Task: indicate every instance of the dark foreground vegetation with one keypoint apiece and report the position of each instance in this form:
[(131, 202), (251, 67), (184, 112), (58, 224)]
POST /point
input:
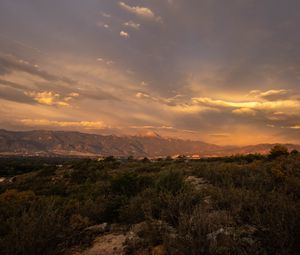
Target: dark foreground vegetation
[(233, 205)]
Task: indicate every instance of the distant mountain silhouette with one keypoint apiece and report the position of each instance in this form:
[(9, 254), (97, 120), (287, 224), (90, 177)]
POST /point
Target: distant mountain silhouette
[(64, 143)]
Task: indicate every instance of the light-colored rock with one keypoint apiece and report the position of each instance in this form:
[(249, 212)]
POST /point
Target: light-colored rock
[(101, 228), (116, 240), (225, 236), (220, 232), (198, 182)]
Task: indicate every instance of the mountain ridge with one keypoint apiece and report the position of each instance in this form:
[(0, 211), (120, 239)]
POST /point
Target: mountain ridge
[(74, 143)]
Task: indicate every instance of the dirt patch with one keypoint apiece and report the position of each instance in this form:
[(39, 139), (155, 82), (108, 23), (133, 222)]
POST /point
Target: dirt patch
[(108, 244)]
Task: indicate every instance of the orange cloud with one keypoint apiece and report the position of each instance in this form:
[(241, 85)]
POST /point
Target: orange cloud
[(51, 98), (124, 34), (259, 105), (272, 94), (132, 25), (76, 124), (245, 111), (140, 11)]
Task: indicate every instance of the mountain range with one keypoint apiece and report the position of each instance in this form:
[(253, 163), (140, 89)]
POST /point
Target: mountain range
[(68, 143)]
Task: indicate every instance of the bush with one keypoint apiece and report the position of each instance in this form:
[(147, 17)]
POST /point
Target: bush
[(295, 152), (129, 184), (242, 205), (39, 229), (170, 181), (193, 231)]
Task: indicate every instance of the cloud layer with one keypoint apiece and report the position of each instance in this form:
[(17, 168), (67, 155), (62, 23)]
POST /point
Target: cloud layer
[(224, 72)]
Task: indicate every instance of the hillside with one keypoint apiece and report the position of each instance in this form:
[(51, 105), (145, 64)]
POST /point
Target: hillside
[(166, 207)]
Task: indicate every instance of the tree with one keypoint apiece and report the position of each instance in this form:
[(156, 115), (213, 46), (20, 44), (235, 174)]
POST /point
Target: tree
[(295, 152), (130, 158), (278, 151), (168, 158), (146, 160), (110, 159)]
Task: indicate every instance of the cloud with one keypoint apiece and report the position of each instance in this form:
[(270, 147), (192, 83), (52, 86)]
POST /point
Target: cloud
[(132, 25), (152, 127), (102, 24), (106, 61), (171, 101), (219, 103), (51, 98), (30, 80), (14, 95), (47, 98), (124, 34), (142, 95), (221, 58), (74, 94), (140, 11), (270, 94), (220, 135), (258, 105), (105, 15), (9, 64), (72, 124), (11, 84), (244, 111)]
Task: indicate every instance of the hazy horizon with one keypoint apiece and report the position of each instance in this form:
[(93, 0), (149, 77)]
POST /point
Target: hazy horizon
[(206, 70), (148, 133)]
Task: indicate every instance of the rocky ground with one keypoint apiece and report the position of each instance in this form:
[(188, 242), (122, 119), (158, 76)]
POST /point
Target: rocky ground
[(123, 240)]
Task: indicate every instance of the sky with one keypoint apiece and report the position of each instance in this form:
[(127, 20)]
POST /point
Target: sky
[(224, 72)]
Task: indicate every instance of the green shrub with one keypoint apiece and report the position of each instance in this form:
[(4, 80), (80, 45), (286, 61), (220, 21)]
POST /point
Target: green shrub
[(170, 181), (40, 229)]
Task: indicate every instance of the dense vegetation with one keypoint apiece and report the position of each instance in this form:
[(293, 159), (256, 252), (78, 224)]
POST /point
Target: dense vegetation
[(234, 205), (11, 166)]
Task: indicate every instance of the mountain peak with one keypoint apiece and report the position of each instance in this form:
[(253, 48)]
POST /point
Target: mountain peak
[(149, 133)]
